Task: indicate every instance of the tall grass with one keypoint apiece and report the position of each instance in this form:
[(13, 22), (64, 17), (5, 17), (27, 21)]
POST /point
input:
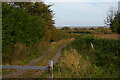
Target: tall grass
[(22, 54), (80, 60)]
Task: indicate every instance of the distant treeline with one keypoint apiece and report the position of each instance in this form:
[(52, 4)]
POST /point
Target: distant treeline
[(79, 32)]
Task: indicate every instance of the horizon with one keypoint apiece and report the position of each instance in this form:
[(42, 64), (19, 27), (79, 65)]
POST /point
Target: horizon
[(81, 13), (81, 26)]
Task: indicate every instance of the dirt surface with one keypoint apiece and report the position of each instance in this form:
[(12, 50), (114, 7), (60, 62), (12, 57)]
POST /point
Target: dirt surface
[(31, 63), (55, 60), (20, 73)]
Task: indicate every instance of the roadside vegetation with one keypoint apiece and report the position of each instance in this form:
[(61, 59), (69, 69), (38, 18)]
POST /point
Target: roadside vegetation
[(27, 29), (28, 32), (80, 60), (54, 50)]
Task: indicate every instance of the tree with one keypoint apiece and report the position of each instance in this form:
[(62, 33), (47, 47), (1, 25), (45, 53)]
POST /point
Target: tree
[(25, 23), (20, 27), (115, 24), (110, 15), (113, 19)]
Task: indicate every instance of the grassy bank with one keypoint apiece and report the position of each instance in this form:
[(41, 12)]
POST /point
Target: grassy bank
[(26, 54), (22, 54), (80, 60), (49, 56)]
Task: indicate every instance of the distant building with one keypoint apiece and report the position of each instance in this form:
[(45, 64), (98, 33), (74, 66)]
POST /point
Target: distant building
[(119, 7)]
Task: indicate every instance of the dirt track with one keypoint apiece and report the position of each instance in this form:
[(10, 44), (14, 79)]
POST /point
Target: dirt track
[(19, 73)]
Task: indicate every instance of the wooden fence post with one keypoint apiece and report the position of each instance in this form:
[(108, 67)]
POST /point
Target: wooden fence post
[(50, 69)]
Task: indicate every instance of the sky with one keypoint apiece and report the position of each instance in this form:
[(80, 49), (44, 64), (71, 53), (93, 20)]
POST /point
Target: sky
[(81, 13)]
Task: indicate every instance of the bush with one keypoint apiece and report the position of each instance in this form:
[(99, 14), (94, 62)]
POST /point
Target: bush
[(104, 55), (22, 24)]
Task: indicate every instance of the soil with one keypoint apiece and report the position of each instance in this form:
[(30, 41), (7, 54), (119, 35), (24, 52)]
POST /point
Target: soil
[(19, 73)]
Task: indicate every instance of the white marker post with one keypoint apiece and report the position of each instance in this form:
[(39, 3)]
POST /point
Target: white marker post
[(92, 46)]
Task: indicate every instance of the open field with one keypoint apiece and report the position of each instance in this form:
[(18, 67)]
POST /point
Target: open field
[(80, 60), (109, 36)]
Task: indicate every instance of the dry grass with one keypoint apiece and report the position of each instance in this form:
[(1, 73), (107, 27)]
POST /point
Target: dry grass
[(44, 62), (54, 51), (71, 60), (71, 64), (109, 36)]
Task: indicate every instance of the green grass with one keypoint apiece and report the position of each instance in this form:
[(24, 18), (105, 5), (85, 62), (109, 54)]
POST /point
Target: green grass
[(79, 60), (49, 56), (32, 52), (24, 54)]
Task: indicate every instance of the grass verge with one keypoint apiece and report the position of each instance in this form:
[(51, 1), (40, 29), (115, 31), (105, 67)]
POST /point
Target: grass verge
[(80, 60)]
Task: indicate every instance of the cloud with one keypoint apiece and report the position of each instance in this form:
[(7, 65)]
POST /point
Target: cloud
[(80, 13)]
